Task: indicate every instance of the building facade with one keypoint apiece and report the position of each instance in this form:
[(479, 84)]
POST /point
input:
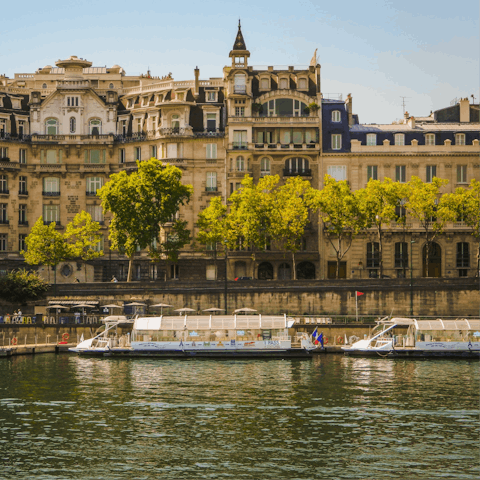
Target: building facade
[(65, 129)]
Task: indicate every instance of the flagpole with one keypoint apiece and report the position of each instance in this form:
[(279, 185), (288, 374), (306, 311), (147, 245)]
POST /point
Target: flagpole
[(356, 306)]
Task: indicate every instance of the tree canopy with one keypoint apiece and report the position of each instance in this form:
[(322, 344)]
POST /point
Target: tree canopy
[(22, 286), (144, 204)]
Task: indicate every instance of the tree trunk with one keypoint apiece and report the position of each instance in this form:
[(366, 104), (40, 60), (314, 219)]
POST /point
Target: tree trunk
[(380, 251), (130, 268), (294, 265)]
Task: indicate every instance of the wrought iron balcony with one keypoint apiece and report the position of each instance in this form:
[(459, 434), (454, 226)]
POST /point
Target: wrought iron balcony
[(23, 192), (51, 194), (293, 173), (23, 223)]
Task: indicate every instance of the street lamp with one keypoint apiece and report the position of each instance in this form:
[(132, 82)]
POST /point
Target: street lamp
[(226, 285), (411, 277)]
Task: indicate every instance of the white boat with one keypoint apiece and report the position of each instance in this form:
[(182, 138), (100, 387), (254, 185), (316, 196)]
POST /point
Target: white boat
[(201, 336), (408, 337)]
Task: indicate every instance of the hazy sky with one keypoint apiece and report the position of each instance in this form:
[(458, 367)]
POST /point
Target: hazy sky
[(379, 51)]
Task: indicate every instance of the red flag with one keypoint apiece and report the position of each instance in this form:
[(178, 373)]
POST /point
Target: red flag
[(359, 293)]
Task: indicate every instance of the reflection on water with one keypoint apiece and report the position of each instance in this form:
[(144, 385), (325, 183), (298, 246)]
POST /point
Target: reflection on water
[(331, 417)]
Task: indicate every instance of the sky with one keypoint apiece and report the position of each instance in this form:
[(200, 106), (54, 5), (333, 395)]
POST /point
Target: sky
[(379, 51)]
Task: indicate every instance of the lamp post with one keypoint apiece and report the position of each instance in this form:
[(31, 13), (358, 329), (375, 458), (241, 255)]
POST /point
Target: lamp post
[(226, 284), (411, 277)]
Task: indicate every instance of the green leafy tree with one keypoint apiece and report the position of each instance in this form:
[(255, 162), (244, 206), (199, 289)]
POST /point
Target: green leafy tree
[(83, 236), (422, 204), (22, 286), (251, 214), (46, 246), (341, 215), (291, 215), (464, 206), (377, 203), (144, 204)]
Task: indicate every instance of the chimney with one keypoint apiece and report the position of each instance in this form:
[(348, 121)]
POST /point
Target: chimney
[(411, 122), (196, 92), (464, 110), (348, 104)]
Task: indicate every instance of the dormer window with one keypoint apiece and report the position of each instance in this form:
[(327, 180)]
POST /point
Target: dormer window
[(265, 84), (460, 139), (336, 116), (283, 83), (130, 103), (302, 84), (399, 139), (16, 103), (51, 126), (211, 96), (430, 139)]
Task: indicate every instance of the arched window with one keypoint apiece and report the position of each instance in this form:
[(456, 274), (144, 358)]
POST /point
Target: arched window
[(111, 86), (240, 164), (73, 124), (44, 86), (176, 122), (95, 127), (297, 166), (51, 126), (264, 166), (306, 271), (265, 271)]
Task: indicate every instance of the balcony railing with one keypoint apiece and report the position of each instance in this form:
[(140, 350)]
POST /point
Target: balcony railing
[(4, 191), (286, 146), (240, 89), (91, 193), (4, 221), (293, 173), (56, 222), (23, 223), (211, 189), (209, 133), (240, 146), (23, 192), (14, 138), (51, 194)]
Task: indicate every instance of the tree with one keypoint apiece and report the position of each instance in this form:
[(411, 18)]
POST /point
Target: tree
[(377, 203), (252, 213), (422, 204), (22, 286), (46, 246), (291, 215), (340, 212), (464, 206), (143, 204), (82, 233), (213, 226)]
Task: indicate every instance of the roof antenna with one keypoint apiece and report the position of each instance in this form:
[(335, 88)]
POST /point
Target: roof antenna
[(404, 104)]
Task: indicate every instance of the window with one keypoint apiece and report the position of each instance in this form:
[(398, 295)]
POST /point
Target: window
[(22, 243), (22, 214), (21, 127), (51, 126), (176, 123), (98, 247), (3, 213), (264, 83), (211, 122), (121, 155), (73, 124), (240, 164), (52, 156), (338, 172), (22, 185), (94, 184), (44, 86), (211, 150), (264, 166), (211, 182), (153, 151), (372, 172), (137, 153), (430, 173), (297, 166), (3, 152), (371, 139), (51, 186), (154, 123), (302, 83), (239, 83), (336, 141), (174, 272), (373, 255), (3, 242), (430, 139), (336, 116), (462, 174), (96, 212), (239, 139), (463, 255), (22, 155), (95, 156), (72, 101), (211, 96), (110, 86), (95, 127), (401, 173), (399, 139), (174, 150), (283, 107), (400, 210), (51, 213), (211, 272), (239, 111), (3, 184), (123, 127), (401, 255), (460, 139), (283, 83)]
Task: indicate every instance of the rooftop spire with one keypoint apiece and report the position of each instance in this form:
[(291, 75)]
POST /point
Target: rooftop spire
[(239, 41)]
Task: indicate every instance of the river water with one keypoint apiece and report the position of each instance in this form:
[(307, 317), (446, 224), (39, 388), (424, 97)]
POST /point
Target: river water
[(332, 417)]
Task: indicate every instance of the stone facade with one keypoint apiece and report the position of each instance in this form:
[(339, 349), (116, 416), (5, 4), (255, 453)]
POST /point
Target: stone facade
[(65, 129)]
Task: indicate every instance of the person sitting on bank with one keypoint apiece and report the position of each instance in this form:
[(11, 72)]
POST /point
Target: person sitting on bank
[(76, 280), (114, 279)]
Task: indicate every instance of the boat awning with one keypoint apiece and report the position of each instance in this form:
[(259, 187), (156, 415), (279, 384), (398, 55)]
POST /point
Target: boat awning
[(439, 324), (67, 303)]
